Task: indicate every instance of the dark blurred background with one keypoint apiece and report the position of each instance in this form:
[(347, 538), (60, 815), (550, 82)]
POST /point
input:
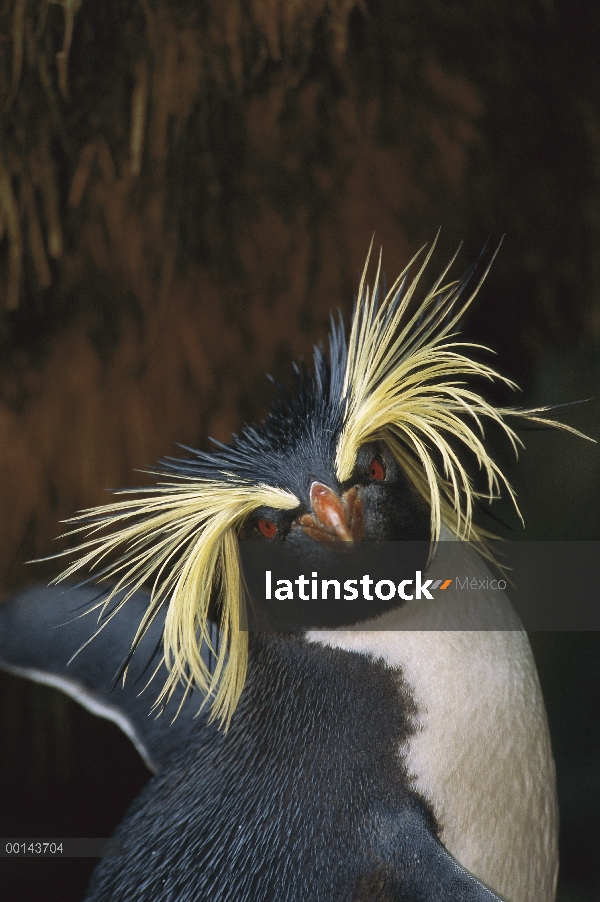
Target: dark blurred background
[(186, 190)]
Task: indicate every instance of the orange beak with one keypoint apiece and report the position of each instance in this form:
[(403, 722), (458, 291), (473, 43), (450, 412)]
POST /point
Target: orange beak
[(334, 519)]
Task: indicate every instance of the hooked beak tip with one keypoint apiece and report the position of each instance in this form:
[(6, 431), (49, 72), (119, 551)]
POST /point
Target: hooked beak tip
[(333, 519)]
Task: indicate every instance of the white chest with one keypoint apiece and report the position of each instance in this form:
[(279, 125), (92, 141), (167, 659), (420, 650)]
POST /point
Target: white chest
[(481, 754)]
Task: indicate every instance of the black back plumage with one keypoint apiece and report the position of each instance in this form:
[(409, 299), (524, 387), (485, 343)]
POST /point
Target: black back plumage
[(304, 798)]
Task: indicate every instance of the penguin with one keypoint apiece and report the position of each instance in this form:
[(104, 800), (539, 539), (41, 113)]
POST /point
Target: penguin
[(374, 748)]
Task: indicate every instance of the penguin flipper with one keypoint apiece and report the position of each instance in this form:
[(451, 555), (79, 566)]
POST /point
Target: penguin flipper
[(43, 636), (417, 868)]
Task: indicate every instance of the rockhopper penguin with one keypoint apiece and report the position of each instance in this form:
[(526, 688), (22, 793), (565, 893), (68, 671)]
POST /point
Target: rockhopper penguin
[(381, 751)]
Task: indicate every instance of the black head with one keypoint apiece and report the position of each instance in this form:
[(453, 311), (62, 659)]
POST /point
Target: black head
[(295, 450)]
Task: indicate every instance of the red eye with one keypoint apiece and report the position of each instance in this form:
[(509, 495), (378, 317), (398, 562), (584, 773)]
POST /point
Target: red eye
[(377, 469), (267, 528)]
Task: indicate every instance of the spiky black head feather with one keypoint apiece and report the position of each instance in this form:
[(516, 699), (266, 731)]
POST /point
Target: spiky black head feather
[(297, 442)]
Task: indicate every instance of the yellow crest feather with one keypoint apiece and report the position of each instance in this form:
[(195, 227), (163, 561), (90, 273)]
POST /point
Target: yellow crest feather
[(402, 384), (183, 536)]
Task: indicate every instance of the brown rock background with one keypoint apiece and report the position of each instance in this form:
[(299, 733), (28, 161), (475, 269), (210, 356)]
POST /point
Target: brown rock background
[(188, 188)]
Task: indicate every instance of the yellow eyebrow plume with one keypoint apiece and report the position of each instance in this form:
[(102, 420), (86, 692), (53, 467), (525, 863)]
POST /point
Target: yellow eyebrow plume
[(403, 384), (182, 537)]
